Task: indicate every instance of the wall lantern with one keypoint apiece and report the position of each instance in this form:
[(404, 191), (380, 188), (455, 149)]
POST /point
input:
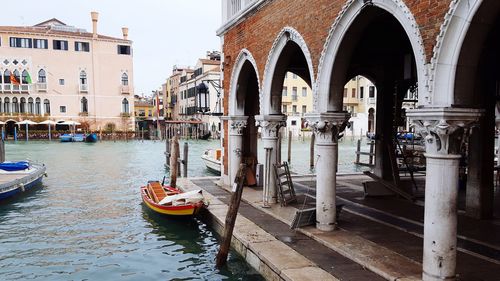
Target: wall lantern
[(203, 98)]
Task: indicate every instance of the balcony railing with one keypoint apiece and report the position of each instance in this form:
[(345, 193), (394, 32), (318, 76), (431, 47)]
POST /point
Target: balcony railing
[(83, 114), (232, 10), (25, 88), (372, 100), (7, 87), (84, 88), (41, 87), (125, 90), (15, 88)]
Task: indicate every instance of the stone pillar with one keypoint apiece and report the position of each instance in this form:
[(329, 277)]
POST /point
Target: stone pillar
[(443, 129), (235, 143), (326, 128), (270, 126)]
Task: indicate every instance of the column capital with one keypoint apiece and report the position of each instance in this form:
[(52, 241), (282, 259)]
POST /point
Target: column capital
[(327, 125), (237, 124), (443, 128), (270, 124)]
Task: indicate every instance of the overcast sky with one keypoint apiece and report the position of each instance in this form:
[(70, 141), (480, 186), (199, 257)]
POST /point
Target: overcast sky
[(164, 32)]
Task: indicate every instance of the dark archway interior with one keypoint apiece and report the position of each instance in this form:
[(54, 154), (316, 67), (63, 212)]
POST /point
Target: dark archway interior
[(477, 85), (377, 46), (247, 96), (291, 59)]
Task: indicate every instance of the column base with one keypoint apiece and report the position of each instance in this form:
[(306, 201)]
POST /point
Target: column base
[(429, 277), (326, 227)]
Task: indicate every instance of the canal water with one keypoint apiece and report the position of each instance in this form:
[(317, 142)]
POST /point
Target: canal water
[(87, 221)]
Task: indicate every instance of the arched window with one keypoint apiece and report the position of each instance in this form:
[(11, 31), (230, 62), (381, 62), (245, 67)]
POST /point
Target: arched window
[(30, 106), (1, 106), (26, 77), (6, 106), (84, 105), (42, 77), (125, 108), (46, 106), (16, 75), (38, 106), (124, 79), (6, 76), (15, 105), (83, 78), (22, 105)]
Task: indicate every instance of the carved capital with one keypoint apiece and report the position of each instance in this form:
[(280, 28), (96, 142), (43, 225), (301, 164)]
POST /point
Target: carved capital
[(327, 126), (270, 124), (236, 124), (444, 129)]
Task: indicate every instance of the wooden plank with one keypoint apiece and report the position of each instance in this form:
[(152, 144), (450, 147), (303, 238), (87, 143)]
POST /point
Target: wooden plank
[(389, 185)]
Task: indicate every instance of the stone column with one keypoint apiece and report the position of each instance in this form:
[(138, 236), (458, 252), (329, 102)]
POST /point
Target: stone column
[(443, 129), (235, 143), (270, 126), (326, 128)]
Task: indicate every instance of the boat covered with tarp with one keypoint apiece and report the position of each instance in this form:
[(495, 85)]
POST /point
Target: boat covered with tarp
[(19, 177), (14, 166)]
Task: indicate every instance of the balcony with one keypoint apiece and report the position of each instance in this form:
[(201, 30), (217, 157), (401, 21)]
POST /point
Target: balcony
[(16, 88), (84, 88), (125, 114), (7, 87), (41, 87), (83, 114), (125, 90), (372, 100), (25, 88)]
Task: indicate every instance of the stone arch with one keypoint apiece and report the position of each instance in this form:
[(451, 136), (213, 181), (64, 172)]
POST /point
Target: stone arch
[(243, 57), (448, 48), (338, 30), (286, 35)]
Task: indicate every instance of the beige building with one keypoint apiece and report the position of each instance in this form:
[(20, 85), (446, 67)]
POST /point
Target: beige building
[(296, 100), (55, 71)]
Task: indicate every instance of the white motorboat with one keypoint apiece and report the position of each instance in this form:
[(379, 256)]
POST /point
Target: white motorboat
[(212, 159)]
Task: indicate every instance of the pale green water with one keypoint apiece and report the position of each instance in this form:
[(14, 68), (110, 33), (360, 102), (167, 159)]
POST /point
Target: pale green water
[(88, 223)]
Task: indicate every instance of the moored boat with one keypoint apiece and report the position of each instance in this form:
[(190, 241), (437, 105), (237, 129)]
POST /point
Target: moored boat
[(212, 159), (92, 137), (66, 138), (171, 201), (19, 177)]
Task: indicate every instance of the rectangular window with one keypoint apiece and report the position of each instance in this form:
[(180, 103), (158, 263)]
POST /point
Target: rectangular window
[(345, 92), (61, 82), (123, 50), (371, 92), (284, 109), (294, 94), (294, 76), (82, 46), (353, 93), (21, 42), (304, 91), (294, 108), (304, 108), (361, 92), (60, 45), (40, 43), (62, 109), (284, 93)]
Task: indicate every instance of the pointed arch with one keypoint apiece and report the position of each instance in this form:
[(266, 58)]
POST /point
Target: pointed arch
[(42, 76), (286, 35), (340, 27), (243, 57), (124, 79)]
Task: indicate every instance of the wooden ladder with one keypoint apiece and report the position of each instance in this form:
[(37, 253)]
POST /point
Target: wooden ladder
[(286, 193), (156, 190)]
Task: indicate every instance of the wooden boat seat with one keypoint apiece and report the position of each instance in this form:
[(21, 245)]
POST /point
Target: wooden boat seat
[(157, 191)]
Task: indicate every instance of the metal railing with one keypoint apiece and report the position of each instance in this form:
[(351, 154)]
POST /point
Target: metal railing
[(25, 88), (41, 87), (84, 88)]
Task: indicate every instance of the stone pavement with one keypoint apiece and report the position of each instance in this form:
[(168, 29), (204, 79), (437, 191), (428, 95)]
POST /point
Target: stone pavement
[(379, 238)]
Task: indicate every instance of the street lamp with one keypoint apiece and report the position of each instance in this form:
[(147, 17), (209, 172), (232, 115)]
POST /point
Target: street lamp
[(203, 96)]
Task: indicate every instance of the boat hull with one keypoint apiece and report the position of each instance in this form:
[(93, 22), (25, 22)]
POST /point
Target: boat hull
[(25, 183), (186, 210), (91, 137), (211, 162)]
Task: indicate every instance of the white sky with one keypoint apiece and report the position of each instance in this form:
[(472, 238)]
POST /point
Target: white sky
[(164, 32)]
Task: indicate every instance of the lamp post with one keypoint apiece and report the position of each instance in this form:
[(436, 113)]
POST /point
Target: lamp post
[(203, 96)]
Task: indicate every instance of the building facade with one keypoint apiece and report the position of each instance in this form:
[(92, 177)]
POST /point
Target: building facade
[(443, 52), (55, 71)]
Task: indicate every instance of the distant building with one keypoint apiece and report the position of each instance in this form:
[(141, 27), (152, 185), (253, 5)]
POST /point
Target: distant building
[(55, 71), (296, 101)]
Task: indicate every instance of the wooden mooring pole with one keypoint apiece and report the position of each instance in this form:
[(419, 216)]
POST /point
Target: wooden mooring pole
[(311, 153), (289, 147), (2, 151), (221, 258), (185, 160), (174, 156)]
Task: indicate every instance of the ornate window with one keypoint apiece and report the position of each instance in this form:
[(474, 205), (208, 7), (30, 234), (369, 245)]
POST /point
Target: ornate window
[(22, 105), (6, 105), (6, 76), (26, 77), (38, 106), (124, 79), (46, 106), (83, 78), (125, 107), (42, 77), (1, 106), (84, 105), (15, 105), (30, 106)]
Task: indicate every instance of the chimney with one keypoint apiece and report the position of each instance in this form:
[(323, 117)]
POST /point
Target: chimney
[(95, 17), (125, 33)]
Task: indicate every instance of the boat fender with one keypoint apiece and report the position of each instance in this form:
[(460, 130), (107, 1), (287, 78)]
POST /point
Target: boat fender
[(21, 185)]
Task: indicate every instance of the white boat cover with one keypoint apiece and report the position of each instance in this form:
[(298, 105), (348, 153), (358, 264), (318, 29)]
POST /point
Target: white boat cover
[(190, 197)]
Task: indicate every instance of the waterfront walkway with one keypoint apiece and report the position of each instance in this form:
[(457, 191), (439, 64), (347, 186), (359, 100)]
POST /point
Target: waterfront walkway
[(379, 238)]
